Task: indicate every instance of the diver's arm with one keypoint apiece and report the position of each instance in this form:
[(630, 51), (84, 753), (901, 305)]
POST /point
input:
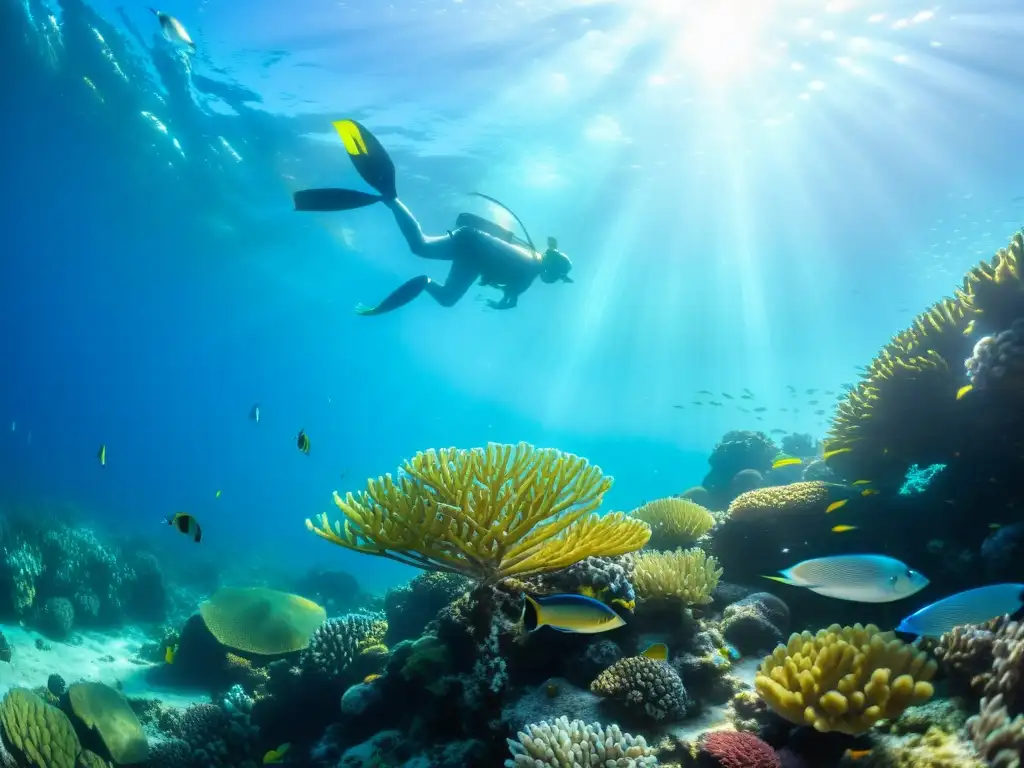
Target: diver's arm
[(508, 301), (420, 244)]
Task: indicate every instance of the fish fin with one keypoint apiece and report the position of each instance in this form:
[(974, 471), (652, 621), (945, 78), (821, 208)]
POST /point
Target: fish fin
[(531, 614), (369, 157), (658, 652), (332, 199)]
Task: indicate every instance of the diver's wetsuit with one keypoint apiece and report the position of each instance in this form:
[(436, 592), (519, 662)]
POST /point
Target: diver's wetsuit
[(474, 254)]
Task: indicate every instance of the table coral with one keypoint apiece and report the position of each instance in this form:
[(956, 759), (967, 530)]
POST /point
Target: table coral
[(844, 679)]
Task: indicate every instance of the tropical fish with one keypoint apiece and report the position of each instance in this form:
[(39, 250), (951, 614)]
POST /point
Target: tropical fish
[(173, 29), (170, 653), (101, 454), (658, 652), (786, 461), (869, 492), (843, 528), (856, 754), (186, 524), (861, 482), (964, 390), (829, 454), (276, 756), (974, 606), (217, 494), (302, 441), (569, 613), (859, 578), (254, 413)]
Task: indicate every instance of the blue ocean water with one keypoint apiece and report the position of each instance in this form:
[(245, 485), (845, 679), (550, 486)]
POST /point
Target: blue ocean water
[(752, 197)]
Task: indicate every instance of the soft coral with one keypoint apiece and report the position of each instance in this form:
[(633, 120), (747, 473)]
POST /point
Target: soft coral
[(735, 749)]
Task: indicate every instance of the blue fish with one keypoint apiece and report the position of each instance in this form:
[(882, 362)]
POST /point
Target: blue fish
[(974, 606), (859, 578)]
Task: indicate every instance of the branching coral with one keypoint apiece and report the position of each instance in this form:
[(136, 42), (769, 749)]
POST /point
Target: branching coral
[(564, 744), (645, 686), (796, 499), (488, 513), (844, 679), (998, 739), (689, 575), (674, 522)]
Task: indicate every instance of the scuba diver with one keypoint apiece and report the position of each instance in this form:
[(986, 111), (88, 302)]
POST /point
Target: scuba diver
[(477, 248)]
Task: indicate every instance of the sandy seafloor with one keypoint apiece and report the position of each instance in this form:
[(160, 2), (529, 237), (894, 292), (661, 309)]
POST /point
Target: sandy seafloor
[(110, 658)]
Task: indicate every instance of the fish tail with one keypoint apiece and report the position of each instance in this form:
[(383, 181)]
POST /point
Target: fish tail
[(783, 580), (531, 614)]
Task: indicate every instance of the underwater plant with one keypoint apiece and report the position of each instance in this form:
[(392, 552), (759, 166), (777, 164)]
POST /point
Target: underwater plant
[(487, 513)]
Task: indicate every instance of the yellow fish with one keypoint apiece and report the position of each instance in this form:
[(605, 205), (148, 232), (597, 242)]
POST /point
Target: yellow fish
[(658, 652), (829, 454), (964, 390), (861, 482), (836, 505), (788, 461), (843, 528), (276, 756), (869, 492), (170, 653), (102, 455), (569, 613)]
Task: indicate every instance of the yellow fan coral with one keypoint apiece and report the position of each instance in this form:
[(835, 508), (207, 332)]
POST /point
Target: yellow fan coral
[(844, 679), (488, 513), (674, 522), (688, 575)]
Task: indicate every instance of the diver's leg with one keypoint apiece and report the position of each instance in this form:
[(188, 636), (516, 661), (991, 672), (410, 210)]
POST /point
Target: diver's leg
[(399, 297), (422, 245), (460, 278)]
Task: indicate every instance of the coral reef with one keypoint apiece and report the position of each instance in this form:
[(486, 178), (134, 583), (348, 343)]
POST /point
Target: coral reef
[(674, 522), (844, 679), (643, 685), (756, 623), (565, 744), (338, 643), (795, 499), (411, 607), (488, 513), (609, 579), (57, 617), (986, 660), (935, 748), (997, 738), (738, 450), (735, 749), (687, 575)]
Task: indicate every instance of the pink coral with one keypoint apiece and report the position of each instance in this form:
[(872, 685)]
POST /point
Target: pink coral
[(734, 749)]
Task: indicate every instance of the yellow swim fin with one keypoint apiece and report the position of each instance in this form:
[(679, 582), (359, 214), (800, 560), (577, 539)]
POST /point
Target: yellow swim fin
[(369, 157)]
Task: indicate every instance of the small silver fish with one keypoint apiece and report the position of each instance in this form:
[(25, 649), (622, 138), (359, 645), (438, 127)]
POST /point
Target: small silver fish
[(254, 413), (173, 29)]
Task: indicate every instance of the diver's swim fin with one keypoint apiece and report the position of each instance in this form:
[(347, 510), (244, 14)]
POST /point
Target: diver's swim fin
[(368, 156), (332, 199)]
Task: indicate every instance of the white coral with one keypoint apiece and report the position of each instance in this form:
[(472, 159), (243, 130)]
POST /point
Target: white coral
[(577, 745)]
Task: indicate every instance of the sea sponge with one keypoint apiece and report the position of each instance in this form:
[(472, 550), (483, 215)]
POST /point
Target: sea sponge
[(844, 679), (735, 749), (565, 744), (674, 522), (689, 575), (488, 513), (41, 734), (261, 621), (106, 711), (645, 686), (795, 499), (997, 738)]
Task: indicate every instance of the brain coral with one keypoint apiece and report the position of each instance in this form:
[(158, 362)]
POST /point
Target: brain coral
[(734, 749), (644, 685), (565, 744), (261, 621), (844, 679)]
